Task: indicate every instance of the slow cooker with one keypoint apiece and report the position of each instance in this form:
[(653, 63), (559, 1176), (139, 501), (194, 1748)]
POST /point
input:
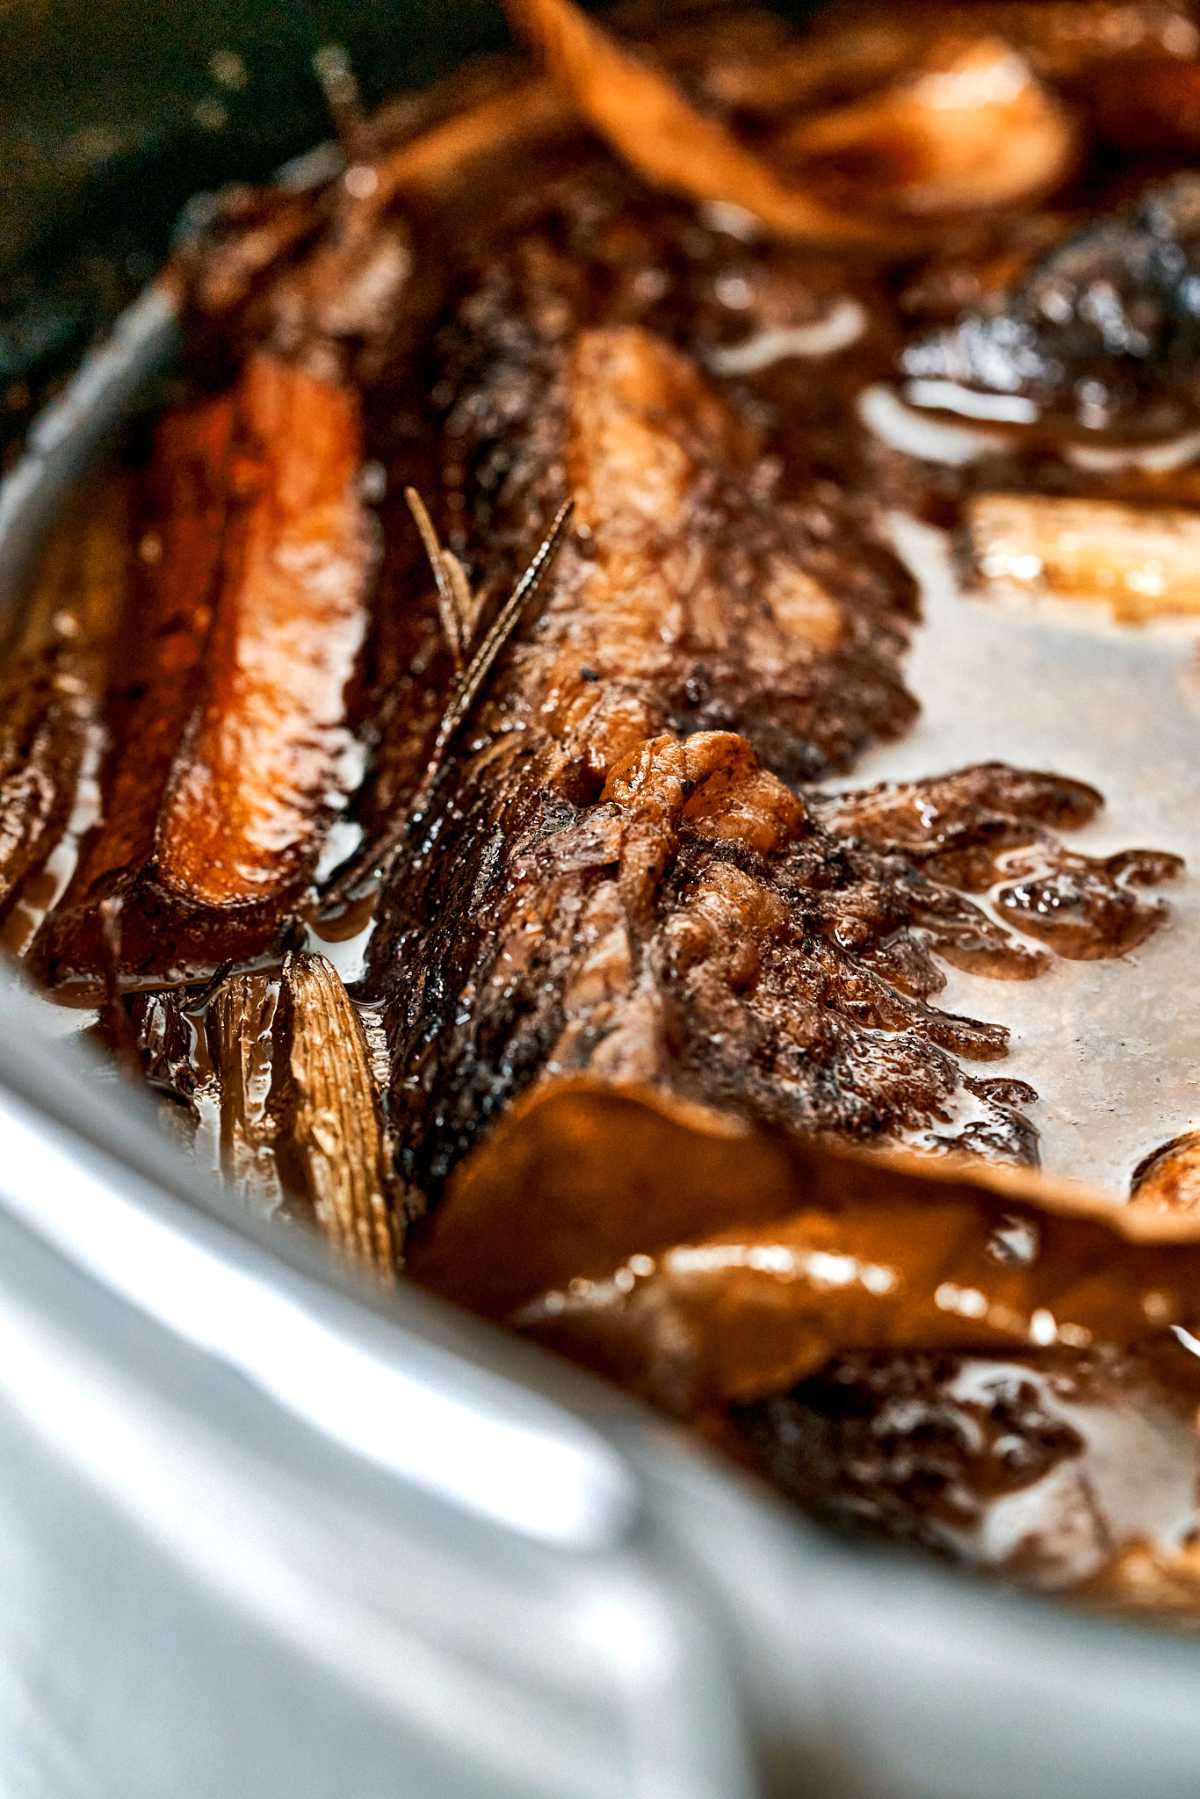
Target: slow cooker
[(266, 1533)]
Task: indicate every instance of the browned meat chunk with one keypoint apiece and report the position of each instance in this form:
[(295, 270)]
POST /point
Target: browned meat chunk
[(1102, 333)]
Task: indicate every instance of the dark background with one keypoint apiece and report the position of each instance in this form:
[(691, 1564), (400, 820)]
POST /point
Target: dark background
[(113, 113)]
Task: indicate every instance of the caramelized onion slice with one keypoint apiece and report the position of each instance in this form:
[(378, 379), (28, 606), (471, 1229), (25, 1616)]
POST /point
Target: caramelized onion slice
[(971, 129), (241, 1041), (329, 1142), (1142, 562), (52, 691), (1063, 41), (448, 152), (538, 1208), (819, 1251), (542, 1200), (888, 1263), (650, 123)]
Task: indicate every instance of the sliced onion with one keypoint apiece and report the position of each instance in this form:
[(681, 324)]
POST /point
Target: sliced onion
[(658, 132), (970, 130), (1143, 562)]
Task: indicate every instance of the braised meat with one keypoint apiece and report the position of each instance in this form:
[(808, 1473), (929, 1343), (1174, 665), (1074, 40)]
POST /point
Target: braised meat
[(1101, 333)]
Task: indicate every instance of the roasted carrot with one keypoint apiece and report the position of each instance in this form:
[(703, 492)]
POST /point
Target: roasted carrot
[(236, 756)]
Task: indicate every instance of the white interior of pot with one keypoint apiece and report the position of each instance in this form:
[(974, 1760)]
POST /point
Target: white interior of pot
[(1113, 1047)]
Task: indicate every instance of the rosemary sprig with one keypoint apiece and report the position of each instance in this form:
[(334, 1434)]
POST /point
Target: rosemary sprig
[(449, 595), (483, 657), (469, 680)]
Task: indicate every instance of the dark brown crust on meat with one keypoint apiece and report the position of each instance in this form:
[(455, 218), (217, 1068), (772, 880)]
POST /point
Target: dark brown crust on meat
[(545, 926)]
